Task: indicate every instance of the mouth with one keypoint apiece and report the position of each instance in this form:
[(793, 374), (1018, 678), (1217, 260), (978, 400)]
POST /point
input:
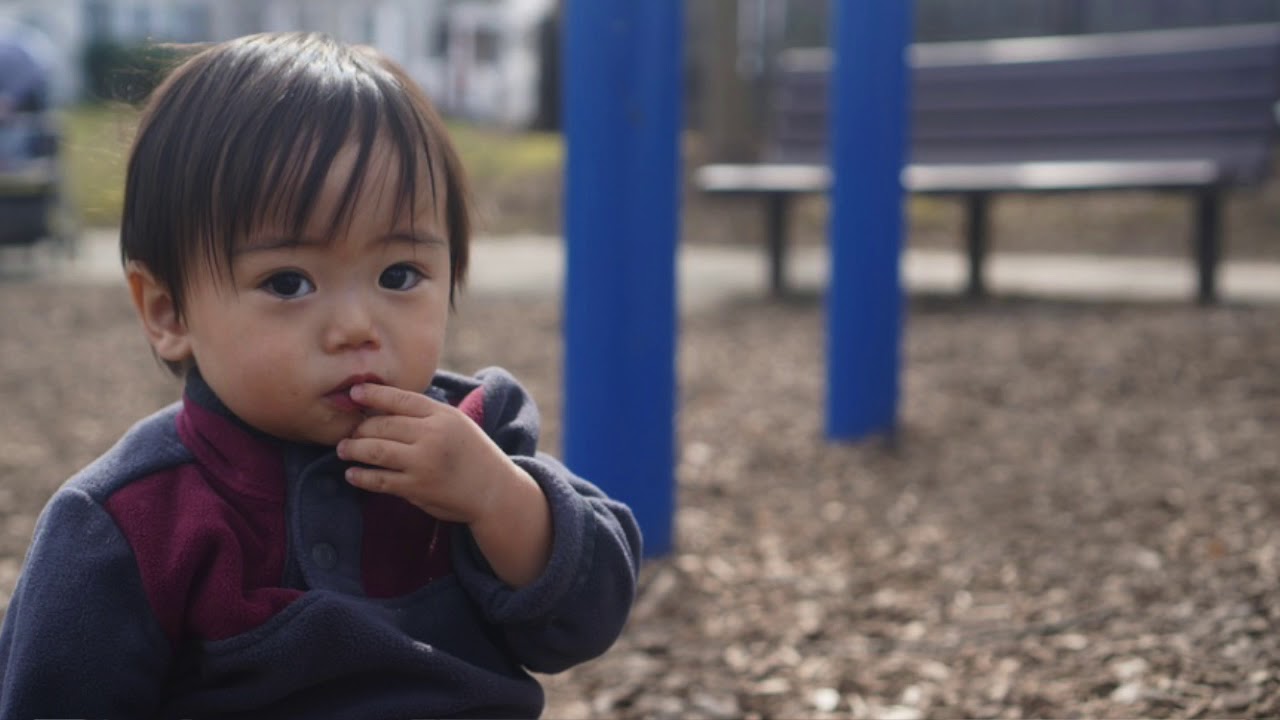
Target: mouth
[(340, 395)]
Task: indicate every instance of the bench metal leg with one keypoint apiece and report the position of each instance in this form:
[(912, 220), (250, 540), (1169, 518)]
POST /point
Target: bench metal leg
[(1207, 252), (976, 231), (777, 207)]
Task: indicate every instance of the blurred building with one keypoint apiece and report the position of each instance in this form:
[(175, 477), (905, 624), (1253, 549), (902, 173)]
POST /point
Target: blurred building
[(486, 60)]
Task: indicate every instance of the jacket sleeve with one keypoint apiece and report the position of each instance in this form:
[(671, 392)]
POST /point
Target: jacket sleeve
[(577, 608), (79, 638)]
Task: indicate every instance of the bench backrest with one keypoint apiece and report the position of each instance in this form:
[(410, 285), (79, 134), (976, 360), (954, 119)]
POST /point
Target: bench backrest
[(1205, 93)]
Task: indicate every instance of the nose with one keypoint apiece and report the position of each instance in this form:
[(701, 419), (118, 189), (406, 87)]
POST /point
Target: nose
[(351, 326)]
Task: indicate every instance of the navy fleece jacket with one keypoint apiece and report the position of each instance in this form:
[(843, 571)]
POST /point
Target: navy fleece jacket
[(203, 569)]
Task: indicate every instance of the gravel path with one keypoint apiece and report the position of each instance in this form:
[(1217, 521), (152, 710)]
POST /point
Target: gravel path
[(1077, 517)]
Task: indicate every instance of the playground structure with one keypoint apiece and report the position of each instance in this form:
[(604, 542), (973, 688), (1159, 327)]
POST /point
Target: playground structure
[(622, 119)]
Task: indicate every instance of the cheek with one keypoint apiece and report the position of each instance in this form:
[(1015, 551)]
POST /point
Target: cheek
[(424, 344), (264, 386), (440, 327), (428, 321), (260, 362), (427, 344), (437, 332), (274, 362)]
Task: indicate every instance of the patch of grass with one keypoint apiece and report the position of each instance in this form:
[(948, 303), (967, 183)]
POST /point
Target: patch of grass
[(95, 149), (97, 139), (493, 157)]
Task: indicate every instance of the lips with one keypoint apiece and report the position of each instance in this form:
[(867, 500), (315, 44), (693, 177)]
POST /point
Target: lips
[(340, 395)]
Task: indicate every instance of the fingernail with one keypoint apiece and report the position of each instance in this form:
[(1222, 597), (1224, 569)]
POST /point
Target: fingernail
[(342, 449)]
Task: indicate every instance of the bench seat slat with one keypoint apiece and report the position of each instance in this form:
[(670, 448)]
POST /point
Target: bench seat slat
[(976, 177), (1049, 176)]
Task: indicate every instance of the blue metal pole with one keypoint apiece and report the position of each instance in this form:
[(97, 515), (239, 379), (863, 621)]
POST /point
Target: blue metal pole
[(868, 101), (622, 61)]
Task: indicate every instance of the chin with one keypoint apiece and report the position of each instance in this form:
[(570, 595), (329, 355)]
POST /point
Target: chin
[(325, 433), (331, 437)]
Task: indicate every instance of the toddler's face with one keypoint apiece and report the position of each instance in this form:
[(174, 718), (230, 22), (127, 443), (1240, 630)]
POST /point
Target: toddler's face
[(301, 319)]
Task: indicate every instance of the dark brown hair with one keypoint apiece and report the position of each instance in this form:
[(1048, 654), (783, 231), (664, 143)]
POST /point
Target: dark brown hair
[(245, 132)]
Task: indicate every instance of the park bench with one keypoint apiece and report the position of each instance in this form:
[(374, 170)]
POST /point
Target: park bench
[(1191, 110)]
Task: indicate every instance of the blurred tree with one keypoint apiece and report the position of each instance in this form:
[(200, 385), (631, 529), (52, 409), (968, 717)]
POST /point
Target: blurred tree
[(729, 127), (128, 73), (805, 23), (548, 117)]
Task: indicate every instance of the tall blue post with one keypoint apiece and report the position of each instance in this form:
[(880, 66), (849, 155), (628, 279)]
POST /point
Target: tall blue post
[(868, 130), (621, 71)]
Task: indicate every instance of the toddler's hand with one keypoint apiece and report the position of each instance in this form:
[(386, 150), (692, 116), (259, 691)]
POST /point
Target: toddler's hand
[(428, 453), (437, 458)]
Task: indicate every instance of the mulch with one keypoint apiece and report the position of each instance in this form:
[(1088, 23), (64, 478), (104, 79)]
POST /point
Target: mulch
[(1077, 516)]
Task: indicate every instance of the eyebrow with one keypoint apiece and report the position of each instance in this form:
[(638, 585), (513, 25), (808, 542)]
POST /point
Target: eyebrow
[(265, 243)]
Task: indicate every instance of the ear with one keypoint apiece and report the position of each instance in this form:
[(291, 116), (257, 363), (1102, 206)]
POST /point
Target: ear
[(154, 303)]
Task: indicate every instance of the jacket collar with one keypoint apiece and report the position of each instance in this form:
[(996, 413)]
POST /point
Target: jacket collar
[(237, 456)]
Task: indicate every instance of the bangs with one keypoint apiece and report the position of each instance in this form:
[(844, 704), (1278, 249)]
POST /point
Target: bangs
[(245, 134), (274, 173)]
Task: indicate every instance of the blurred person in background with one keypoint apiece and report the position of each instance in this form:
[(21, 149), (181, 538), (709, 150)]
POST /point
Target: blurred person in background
[(24, 90)]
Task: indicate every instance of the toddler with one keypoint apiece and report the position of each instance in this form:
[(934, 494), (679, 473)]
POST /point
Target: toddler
[(326, 525)]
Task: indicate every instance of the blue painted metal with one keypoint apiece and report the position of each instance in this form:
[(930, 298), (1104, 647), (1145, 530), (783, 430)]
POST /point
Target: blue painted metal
[(621, 71), (869, 98)]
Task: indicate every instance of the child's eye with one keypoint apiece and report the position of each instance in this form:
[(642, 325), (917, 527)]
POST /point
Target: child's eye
[(400, 277), (288, 285)]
